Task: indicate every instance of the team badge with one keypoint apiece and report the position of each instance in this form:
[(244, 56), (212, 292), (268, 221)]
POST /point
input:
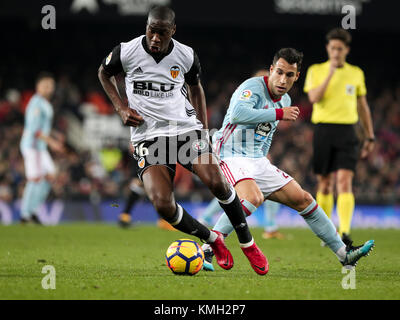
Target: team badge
[(245, 95), (199, 145), (174, 71), (141, 162), (350, 89), (108, 59)]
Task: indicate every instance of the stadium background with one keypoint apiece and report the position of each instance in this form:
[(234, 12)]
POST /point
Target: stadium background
[(233, 40)]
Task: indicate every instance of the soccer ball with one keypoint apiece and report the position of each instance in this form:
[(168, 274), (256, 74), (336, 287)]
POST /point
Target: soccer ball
[(184, 256)]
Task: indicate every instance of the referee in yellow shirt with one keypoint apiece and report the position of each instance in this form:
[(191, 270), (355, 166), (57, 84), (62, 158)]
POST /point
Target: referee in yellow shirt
[(338, 93)]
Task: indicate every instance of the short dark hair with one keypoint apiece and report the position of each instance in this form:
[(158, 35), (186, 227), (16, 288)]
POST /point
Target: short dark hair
[(44, 74), (339, 34), (291, 55), (163, 13)]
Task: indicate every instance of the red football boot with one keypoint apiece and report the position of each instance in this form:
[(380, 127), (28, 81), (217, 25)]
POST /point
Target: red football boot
[(257, 259), (221, 252)]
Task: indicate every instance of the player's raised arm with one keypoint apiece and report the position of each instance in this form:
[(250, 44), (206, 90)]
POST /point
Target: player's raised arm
[(243, 111), (249, 107), (196, 93), (316, 94), (111, 66)]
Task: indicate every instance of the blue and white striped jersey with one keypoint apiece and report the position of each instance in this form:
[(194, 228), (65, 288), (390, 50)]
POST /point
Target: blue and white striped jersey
[(250, 121)]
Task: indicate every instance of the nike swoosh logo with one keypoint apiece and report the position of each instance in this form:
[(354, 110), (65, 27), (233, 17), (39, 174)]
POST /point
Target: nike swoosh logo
[(259, 268), (227, 261)]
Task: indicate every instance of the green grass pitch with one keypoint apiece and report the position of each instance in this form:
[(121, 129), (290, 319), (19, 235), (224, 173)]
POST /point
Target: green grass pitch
[(98, 261)]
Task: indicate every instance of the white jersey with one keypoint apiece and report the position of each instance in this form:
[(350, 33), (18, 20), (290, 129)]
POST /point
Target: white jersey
[(155, 87)]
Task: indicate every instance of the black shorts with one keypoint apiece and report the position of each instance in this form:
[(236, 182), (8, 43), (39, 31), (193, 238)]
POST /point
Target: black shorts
[(336, 146), (183, 149)]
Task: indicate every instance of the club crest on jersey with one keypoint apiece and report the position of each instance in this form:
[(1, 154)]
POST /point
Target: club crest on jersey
[(245, 95), (174, 71), (141, 162), (108, 59), (199, 145)]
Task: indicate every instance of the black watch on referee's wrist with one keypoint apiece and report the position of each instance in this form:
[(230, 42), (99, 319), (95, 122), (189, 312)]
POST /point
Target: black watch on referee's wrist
[(371, 139)]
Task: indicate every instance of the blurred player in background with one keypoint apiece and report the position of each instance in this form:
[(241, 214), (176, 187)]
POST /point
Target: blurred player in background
[(39, 166), (270, 210), (166, 111), (243, 142), (338, 93)]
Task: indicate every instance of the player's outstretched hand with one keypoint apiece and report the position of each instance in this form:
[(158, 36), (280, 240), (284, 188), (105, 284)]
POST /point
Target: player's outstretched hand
[(290, 113), (130, 117)]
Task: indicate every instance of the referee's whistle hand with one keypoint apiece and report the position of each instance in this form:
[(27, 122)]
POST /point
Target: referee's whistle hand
[(130, 117), (290, 113)]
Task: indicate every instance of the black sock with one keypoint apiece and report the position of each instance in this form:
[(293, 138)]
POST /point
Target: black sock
[(133, 197), (184, 222), (237, 217)]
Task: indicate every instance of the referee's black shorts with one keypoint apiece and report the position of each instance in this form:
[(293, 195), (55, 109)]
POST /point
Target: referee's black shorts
[(336, 146)]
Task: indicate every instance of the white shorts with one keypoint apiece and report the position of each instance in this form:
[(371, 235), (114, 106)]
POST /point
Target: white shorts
[(38, 163), (268, 177)]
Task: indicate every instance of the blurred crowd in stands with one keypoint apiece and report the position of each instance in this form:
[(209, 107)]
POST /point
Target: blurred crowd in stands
[(106, 173)]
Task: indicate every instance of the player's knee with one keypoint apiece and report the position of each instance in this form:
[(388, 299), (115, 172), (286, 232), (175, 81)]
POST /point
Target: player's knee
[(255, 198), (302, 200), (165, 206), (344, 184), (325, 184)]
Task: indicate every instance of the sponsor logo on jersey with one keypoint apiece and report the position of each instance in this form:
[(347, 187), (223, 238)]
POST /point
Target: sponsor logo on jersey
[(199, 145), (150, 89), (174, 71), (141, 162), (263, 129), (245, 95), (108, 59)]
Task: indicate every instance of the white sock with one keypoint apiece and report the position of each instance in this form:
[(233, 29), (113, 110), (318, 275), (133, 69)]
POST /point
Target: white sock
[(213, 236), (341, 253), (248, 244), (205, 246)]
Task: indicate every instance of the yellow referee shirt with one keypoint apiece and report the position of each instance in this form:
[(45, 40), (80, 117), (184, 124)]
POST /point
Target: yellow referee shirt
[(339, 103)]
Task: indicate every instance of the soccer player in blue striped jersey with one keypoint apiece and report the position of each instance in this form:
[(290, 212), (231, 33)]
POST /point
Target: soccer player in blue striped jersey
[(39, 166), (243, 142)]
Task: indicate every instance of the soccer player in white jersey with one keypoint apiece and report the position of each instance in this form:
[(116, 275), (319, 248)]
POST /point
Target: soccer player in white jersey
[(39, 166), (167, 114), (255, 109)]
